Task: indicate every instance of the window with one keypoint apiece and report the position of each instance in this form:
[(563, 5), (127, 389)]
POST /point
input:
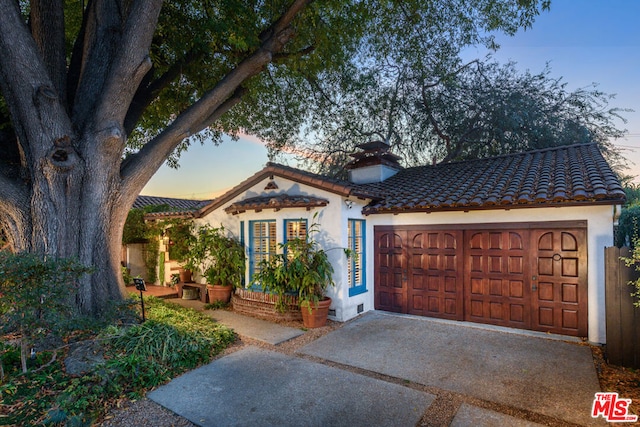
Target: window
[(262, 241), (356, 263), (295, 229)]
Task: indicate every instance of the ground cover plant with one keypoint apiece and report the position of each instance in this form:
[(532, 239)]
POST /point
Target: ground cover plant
[(137, 357)]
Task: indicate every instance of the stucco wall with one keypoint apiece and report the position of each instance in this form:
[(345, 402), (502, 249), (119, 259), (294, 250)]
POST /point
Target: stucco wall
[(334, 217)]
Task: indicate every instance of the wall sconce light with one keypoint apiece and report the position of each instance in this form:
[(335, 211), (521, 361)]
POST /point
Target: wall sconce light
[(348, 203)]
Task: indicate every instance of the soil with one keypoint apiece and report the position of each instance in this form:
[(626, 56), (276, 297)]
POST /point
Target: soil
[(624, 381)]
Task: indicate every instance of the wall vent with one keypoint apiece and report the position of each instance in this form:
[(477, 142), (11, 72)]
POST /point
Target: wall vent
[(360, 308), (332, 312)]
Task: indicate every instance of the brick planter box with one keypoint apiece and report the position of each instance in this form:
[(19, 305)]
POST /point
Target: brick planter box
[(262, 305)]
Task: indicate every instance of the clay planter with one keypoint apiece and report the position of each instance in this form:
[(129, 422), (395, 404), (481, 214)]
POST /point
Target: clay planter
[(185, 275), (219, 293), (318, 315)]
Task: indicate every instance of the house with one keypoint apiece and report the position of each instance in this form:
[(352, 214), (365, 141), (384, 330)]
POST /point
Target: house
[(516, 240)]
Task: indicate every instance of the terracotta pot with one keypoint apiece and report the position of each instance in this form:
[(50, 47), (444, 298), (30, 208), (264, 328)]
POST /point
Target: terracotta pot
[(185, 275), (317, 317), (219, 293)]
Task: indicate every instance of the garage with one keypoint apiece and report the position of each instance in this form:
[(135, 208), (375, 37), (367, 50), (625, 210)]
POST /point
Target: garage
[(520, 275)]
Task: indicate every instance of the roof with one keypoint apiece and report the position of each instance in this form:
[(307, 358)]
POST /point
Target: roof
[(560, 176), (336, 186), (179, 204), (277, 202), (178, 208)]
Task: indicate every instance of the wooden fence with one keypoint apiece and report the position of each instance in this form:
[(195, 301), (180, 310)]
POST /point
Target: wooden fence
[(623, 318)]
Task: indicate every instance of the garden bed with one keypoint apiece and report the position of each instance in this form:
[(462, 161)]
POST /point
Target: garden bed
[(262, 305)]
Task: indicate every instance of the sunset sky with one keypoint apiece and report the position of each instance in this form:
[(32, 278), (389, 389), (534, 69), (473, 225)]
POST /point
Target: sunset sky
[(584, 42)]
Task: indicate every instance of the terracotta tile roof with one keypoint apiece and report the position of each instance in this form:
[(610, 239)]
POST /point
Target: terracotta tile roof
[(561, 176), (176, 204), (278, 202), (343, 188), (178, 208)]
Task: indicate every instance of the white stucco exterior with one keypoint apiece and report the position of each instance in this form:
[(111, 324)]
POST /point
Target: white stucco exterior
[(333, 222)]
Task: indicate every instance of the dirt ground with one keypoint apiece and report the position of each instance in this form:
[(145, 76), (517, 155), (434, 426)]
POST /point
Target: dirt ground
[(624, 381)]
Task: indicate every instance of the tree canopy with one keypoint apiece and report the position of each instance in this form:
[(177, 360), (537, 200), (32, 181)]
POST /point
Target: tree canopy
[(470, 110), (98, 94)]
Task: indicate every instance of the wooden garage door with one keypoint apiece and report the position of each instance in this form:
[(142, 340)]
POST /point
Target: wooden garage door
[(527, 277)]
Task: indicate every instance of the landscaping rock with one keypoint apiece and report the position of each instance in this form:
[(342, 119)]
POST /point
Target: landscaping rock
[(83, 357)]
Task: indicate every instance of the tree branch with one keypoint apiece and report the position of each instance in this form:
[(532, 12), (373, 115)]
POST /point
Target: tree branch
[(47, 28), (77, 53), (131, 63), (34, 104), (147, 93), (141, 166)]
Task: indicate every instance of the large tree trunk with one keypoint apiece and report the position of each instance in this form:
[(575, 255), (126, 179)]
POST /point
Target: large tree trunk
[(73, 191), (77, 211)]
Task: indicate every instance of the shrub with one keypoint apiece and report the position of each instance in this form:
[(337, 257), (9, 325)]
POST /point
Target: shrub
[(35, 296), (138, 357), (628, 226)]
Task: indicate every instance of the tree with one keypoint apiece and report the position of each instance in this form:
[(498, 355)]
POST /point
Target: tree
[(465, 111), (96, 95)]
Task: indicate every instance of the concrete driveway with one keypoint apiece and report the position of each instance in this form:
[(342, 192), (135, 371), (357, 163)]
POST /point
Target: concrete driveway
[(394, 370)]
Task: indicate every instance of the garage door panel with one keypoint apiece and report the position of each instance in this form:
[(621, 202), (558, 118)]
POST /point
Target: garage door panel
[(436, 265), (390, 293), (516, 265), (530, 278), (570, 267), (570, 293), (495, 292), (516, 288), (560, 302)]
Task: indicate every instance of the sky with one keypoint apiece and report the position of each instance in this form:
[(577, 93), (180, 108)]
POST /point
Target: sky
[(584, 42)]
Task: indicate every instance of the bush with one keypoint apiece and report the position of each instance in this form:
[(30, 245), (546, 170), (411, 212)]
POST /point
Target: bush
[(628, 226), (138, 357), (36, 294)]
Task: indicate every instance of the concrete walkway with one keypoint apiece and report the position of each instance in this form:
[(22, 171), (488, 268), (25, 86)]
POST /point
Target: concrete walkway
[(261, 330), (390, 370)]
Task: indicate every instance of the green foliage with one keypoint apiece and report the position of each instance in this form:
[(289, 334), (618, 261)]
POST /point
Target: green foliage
[(35, 295), (225, 258), (463, 111), (126, 276), (181, 239), (138, 358), (135, 228), (634, 261), (151, 252), (632, 192), (628, 226), (303, 267)]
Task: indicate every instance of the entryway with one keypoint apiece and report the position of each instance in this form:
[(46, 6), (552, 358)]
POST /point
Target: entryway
[(525, 275)]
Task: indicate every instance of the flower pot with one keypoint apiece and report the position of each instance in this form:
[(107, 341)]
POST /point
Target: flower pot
[(317, 316), (219, 293), (185, 275)]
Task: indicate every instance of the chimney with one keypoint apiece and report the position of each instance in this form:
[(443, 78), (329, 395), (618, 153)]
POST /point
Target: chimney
[(374, 163)]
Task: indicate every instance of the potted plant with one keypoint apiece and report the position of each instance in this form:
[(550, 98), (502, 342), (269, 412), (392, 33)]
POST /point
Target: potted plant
[(309, 274), (303, 268), (226, 265)]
